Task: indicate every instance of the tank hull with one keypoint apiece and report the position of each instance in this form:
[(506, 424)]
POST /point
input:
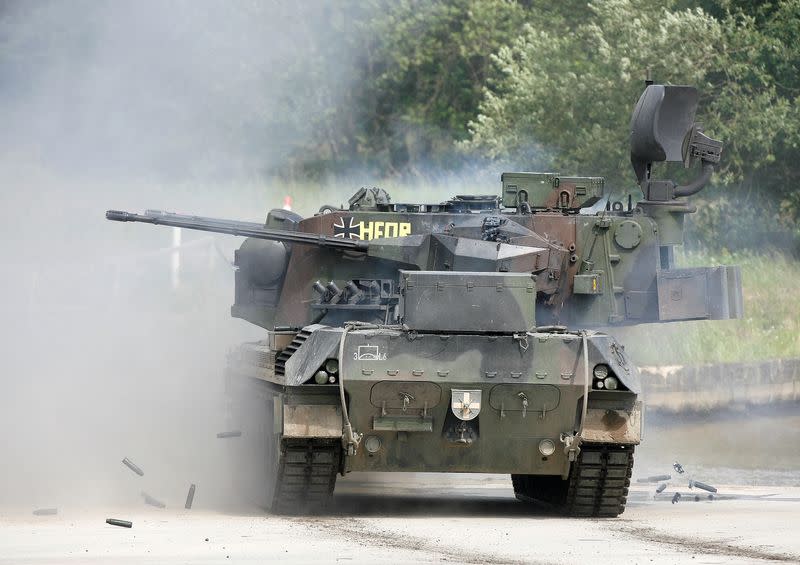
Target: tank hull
[(405, 395)]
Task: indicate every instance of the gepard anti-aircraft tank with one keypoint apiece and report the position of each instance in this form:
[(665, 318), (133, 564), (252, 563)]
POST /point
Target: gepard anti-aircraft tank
[(464, 336)]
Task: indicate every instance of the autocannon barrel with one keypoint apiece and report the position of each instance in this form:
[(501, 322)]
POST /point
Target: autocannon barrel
[(239, 223), (232, 227)]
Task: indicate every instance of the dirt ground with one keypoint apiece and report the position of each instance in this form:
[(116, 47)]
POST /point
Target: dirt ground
[(393, 517), (424, 518)]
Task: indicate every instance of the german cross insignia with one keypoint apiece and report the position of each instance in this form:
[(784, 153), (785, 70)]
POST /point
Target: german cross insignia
[(347, 229)]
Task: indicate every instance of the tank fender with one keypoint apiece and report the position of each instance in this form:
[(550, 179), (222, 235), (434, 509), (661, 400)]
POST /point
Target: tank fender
[(317, 421), (613, 425), (322, 344)]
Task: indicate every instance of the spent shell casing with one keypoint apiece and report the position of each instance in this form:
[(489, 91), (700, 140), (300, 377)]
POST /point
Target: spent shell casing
[(654, 479), (190, 497), (152, 501), (676, 497), (661, 488), (120, 523), (234, 433), (133, 467), (703, 486), (45, 512)]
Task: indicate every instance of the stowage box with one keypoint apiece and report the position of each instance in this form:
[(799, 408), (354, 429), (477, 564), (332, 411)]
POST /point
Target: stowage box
[(550, 190), (711, 293), (467, 301)]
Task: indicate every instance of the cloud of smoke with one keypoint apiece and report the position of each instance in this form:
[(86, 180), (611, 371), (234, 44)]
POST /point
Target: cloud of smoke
[(182, 105), (134, 105), (175, 90)]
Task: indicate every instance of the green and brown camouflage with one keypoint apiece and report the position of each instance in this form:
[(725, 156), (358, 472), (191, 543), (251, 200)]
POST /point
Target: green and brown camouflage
[(466, 336)]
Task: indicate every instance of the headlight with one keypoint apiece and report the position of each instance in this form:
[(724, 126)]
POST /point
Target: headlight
[(373, 444), (332, 366), (547, 447), (601, 371), (612, 383)]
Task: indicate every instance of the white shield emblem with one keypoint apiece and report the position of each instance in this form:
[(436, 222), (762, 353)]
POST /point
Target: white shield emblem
[(466, 404)]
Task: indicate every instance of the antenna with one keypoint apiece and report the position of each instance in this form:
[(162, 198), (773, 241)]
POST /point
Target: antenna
[(663, 130)]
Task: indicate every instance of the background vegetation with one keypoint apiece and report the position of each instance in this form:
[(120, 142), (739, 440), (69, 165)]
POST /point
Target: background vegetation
[(444, 85), (223, 108), (411, 90)]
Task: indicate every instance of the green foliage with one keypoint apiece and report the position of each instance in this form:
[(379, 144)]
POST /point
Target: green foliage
[(437, 85), (422, 78), (437, 56), (399, 89), (565, 98)]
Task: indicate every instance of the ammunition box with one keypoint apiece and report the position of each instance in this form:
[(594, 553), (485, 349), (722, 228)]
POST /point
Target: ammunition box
[(712, 293), (550, 190), (485, 302)]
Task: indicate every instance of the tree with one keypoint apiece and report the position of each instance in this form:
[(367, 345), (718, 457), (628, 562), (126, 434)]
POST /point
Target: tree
[(428, 70), (564, 97)]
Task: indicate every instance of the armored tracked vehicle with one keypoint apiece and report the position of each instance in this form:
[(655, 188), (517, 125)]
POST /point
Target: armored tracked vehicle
[(465, 336)]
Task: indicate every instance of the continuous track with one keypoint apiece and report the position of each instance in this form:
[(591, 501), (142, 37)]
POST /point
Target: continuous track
[(284, 476), (597, 485), (306, 476)]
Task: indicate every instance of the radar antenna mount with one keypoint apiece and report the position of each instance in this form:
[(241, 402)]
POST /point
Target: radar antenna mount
[(663, 130)]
